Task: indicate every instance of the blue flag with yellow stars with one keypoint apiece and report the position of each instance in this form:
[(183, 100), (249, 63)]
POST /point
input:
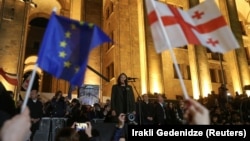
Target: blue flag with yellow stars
[(66, 46)]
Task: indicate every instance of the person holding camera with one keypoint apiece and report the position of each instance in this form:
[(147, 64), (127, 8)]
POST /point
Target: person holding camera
[(120, 129), (77, 132), (122, 97)]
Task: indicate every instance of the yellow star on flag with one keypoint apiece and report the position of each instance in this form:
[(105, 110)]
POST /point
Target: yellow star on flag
[(91, 25), (67, 34), (67, 64), (62, 54), (63, 44), (81, 22)]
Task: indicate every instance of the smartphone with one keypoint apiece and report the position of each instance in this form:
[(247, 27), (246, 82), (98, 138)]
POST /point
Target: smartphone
[(80, 126)]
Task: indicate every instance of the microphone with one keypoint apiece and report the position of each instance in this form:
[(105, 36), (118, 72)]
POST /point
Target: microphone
[(132, 78)]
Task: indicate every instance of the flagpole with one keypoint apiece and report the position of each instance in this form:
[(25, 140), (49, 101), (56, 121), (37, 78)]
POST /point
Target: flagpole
[(221, 66), (185, 94), (27, 95)]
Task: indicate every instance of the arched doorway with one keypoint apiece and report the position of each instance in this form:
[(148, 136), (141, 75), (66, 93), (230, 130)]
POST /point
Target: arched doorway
[(36, 30), (47, 83)]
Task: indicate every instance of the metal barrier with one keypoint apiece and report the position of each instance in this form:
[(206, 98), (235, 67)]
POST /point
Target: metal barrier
[(48, 128)]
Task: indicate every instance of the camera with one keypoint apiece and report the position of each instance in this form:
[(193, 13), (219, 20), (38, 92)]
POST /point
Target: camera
[(130, 117), (80, 126)]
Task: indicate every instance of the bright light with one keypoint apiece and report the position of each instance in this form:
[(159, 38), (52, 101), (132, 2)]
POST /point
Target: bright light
[(156, 87), (248, 93)]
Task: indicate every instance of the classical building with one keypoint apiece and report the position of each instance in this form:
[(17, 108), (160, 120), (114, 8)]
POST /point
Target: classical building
[(23, 22)]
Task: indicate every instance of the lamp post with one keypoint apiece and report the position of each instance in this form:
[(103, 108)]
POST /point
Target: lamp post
[(222, 89), (27, 5), (222, 72)]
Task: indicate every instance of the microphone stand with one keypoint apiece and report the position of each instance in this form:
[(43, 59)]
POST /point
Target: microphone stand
[(139, 100)]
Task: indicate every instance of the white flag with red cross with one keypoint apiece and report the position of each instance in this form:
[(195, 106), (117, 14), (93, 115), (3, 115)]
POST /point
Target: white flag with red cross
[(200, 25)]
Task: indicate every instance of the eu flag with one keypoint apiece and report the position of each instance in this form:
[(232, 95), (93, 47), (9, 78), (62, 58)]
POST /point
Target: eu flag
[(66, 46)]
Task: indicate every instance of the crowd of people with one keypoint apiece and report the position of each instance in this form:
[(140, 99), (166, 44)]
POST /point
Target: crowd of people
[(121, 109)]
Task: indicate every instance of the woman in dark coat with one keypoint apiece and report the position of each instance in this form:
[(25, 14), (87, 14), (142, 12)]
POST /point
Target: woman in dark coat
[(122, 97)]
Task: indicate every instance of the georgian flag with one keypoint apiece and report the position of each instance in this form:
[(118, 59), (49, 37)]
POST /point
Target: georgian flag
[(9, 77), (200, 25)]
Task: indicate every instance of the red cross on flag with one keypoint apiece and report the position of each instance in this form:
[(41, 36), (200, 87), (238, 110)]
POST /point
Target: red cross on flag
[(200, 25)]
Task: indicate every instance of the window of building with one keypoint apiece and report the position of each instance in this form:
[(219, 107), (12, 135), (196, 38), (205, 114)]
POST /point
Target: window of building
[(214, 56), (247, 54), (213, 75), (188, 72), (111, 8), (111, 35), (222, 75), (107, 13), (184, 47), (110, 71), (175, 72), (242, 26), (184, 70), (217, 76)]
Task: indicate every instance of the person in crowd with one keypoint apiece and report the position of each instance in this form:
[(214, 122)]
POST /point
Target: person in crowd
[(7, 106), (36, 112), (75, 114), (147, 111), (71, 134), (58, 105), (108, 102), (180, 111), (96, 112), (107, 113), (122, 97), (171, 113), (120, 130), (7, 103), (17, 128), (160, 112)]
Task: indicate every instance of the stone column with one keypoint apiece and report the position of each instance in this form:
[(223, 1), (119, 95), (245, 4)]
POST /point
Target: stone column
[(76, 9), (154, 63), (237, 60), (199, 67)]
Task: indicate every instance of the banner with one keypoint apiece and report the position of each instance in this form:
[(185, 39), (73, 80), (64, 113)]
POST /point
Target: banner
[(88, 94)]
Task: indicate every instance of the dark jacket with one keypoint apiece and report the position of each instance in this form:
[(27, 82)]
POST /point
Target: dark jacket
[(159, 114), (36, 111), (117, 99)]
